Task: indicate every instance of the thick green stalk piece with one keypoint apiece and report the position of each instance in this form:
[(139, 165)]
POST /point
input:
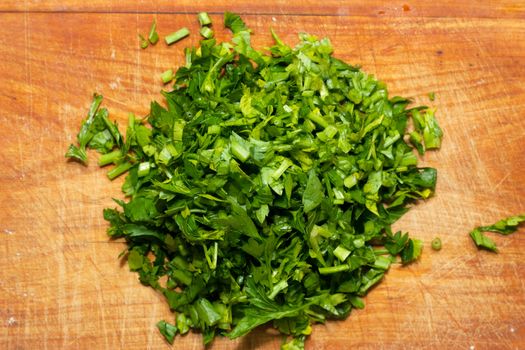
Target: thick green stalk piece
[(177, 36)]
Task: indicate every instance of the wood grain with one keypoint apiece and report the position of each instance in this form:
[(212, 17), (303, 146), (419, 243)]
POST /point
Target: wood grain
[(375, 8), (61, 284)]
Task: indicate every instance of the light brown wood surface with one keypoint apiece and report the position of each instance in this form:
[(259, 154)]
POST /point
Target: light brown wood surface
[(61, 284)]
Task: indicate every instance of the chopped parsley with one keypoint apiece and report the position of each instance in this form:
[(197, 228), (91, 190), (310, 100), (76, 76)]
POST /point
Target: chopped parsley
[(505, 227), (177, 36), (153, 36), (264, 191), (436, 243)]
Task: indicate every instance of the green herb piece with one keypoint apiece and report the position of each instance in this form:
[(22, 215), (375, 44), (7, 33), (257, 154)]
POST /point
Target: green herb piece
[(153, 36), (119, 170), (96, 132), (294, 344), (234, 22), (483, 241), (264, 190), (206, 32), (167, 76), (436, 243), (143, 42), (432, 96), (177, 36), (110, 158), (167, 330), (204, 19), (412, 251), (135, 260), (426, 124), (505, 227)]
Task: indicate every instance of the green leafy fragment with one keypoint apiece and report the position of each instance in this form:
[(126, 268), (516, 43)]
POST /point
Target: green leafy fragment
[(153, 36), (505, 227), (483, 241), (143, 42), (234, 22), (265, 189), (167, 330), (96, 132)]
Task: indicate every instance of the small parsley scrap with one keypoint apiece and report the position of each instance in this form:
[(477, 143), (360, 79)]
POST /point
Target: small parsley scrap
[(264, 192), (505, 227), (436, 244)]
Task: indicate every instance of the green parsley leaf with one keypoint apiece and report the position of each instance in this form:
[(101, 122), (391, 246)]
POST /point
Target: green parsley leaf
[(505, 227), (234, 22), (313, 193), (143, 42), (167, 330)]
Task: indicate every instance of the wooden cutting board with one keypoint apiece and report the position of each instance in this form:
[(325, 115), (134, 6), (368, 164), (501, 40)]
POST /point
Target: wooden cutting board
[(61, 284)]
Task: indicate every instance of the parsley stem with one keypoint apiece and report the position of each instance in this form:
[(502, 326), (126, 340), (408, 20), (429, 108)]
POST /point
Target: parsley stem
[(436, 243), (119, 170), (204, 19), (167, 76), (109, 158), (176, 36), (206, 32), (333, 269), (381, 251), (317, 118), (382, 263), (182, 277), (278, 288)]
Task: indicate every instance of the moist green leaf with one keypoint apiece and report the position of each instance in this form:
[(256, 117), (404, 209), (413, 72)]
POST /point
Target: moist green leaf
[(234, 22), (313, 193), (483, 241), (263, 310), (76, 153), (412, 251), (167, 330), (135, 260), (294, 344), (504, 226), (86, 132)]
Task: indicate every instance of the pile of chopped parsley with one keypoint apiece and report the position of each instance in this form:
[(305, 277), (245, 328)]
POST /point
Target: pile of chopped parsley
[(264, 191)]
